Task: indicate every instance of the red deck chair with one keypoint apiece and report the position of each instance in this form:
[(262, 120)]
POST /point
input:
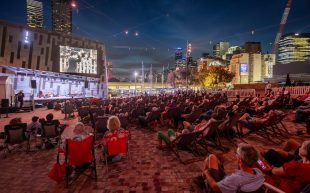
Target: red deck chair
[(80, 153), (117, 143)]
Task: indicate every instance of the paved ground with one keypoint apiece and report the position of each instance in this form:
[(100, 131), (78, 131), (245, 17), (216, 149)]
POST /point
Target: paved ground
[(149, 170)]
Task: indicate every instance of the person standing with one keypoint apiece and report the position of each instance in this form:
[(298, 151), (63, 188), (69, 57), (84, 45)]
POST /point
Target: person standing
[(20, 98)]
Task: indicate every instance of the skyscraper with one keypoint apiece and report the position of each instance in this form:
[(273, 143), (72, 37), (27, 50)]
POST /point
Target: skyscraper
[(178, 54), (62, 16), (220, 49), (34, 14), (294, 47)]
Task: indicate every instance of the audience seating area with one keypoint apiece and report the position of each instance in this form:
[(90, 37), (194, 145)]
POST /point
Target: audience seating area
[(146, 165)]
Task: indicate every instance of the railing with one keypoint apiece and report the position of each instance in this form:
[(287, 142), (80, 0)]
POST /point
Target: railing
[(294, 90), (242, 93)]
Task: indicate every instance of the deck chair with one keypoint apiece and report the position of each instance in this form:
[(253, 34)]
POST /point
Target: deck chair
[(186, 142), (192, 117), (272, 189), (116, 143), (50, 133), (101, 126), (262, 130), (15, 134), (152, 119), (80, 155), (83, 112), (212, 137)]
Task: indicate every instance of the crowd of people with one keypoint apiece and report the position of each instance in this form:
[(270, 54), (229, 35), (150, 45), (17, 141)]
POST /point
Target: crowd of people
[(189, 112)]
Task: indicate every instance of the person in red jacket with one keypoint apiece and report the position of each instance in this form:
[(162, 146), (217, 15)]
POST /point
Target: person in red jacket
[(293, 176)]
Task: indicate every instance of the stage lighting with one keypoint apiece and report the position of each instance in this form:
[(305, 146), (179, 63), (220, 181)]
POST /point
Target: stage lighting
[(73, 4)]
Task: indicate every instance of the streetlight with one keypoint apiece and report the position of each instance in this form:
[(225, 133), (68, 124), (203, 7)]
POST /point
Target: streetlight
[(136, 74)]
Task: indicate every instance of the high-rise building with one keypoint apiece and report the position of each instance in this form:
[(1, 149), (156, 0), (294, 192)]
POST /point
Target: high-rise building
[(34, 14), (220, 49), (178, 55), (62, 16), (253, 47), (294, 47)]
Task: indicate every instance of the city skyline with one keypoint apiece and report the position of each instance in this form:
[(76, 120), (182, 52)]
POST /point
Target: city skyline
[(155, 29)]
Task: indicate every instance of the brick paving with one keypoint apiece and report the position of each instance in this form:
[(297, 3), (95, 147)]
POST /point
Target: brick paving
[(149, 170)]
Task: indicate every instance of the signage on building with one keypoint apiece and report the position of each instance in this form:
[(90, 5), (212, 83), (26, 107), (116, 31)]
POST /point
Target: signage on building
[(244, 69)]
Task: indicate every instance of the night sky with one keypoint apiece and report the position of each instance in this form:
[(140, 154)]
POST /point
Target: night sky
[(164, 25)]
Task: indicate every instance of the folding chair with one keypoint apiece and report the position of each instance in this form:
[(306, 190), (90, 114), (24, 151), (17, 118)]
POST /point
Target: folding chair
[(50, 133), (80, 155), (116, 143), (185, 142), (212, 137), (101, 126), (15, 134), (270, 188)]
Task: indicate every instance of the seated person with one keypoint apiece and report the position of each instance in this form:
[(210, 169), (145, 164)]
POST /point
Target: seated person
[(293, 176), (246, 179), (15, 121), (143, 119), (114, 127), (277, 157), (302, 113), (250, 121), (35, 126), (57, 106), (50, 119), (185, 116), (300, 99), (188, 128)]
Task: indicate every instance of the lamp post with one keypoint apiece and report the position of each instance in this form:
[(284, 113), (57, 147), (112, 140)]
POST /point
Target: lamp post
[(136, 74), (188, 53)]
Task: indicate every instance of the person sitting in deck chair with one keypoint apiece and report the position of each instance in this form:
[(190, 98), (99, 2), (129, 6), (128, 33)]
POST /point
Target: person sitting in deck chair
[(250, 121), (246, 179), (188, 128)]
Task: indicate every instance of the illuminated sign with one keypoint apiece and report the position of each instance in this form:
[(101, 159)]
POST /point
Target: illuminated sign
[(244, 69)]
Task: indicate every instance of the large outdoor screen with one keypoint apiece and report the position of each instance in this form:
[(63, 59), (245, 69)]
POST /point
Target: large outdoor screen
[(78, 60)]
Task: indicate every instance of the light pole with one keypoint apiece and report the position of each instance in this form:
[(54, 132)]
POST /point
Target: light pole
[(136, 74), (188, 53)]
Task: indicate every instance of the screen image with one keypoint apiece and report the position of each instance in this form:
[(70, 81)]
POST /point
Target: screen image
[(244, 69), (78, 60)]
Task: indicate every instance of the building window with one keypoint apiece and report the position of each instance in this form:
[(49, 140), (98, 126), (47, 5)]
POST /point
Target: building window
[(23, 64), (40, 40), (35, 36), (10, 39), (42, 51), (18, 49), (12, 58)]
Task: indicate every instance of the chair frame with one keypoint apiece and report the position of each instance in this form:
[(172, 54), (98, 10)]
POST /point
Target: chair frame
[(24, 137), (93, 165)]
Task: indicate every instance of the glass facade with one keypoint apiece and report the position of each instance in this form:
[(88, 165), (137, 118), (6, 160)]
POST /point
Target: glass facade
[(34, 14), (294, 47), (62, 16)]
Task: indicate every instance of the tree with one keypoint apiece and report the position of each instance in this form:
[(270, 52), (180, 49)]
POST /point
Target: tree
[(215, 75)]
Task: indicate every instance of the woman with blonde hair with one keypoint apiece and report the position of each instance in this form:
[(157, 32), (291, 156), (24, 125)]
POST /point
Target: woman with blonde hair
[(113, 125)]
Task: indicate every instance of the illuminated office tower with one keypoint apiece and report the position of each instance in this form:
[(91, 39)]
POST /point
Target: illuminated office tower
[(34, 14), (62, 16), (294, 47)]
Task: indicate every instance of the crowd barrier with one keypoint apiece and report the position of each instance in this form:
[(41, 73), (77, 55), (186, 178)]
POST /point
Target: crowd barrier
[(294, 90), (242, 93)]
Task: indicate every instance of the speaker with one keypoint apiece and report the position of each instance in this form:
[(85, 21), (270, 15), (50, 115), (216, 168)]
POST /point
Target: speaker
[(86, 84), (5, 103), (33, 84)]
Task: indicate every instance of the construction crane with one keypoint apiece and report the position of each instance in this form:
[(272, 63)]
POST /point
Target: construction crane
[(281, 26)]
